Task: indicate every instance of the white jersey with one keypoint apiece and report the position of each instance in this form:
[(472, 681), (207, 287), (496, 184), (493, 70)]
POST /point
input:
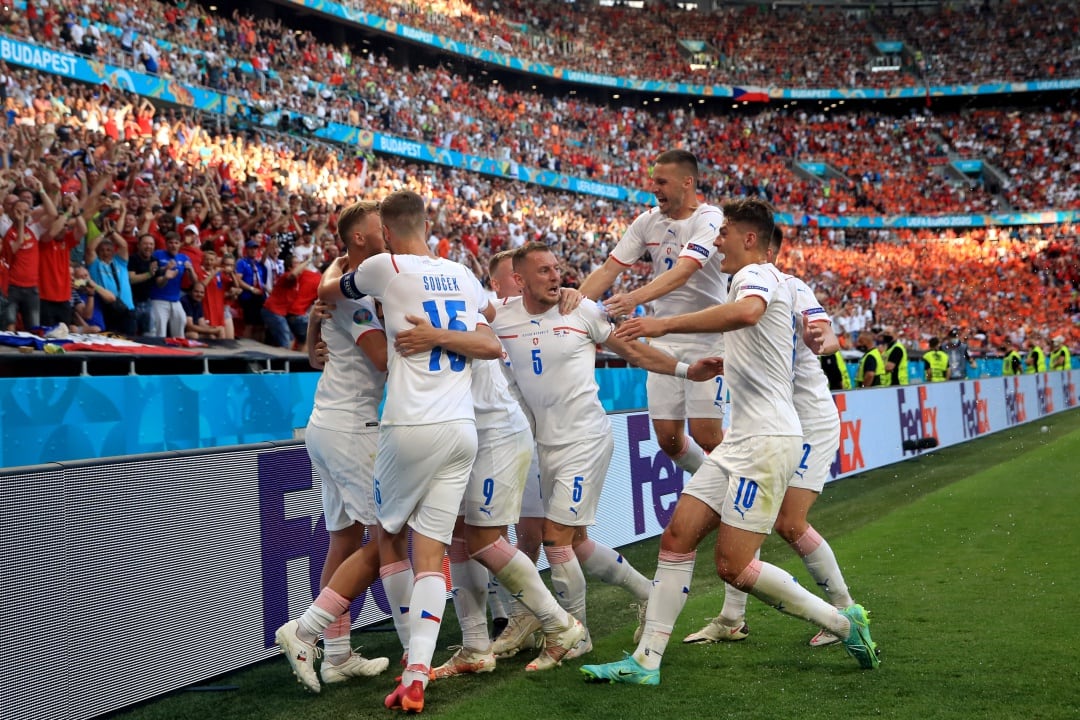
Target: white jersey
[(349, 392), (666, 241), (759, 363), (497, 410), (553, 358), (432, 387), (813, 399)]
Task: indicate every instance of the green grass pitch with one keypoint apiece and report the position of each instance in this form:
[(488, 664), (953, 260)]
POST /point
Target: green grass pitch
[(967, 559)]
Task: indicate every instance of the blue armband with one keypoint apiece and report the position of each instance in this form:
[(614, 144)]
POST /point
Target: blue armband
[(348, 286)]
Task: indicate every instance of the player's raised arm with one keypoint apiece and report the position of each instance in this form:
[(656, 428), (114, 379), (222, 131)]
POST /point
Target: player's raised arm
[(601, 279), (662, 284)]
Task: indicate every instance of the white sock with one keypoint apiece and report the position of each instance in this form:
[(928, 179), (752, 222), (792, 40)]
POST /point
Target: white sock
[(782, 591), (338, 649), (734, 611), (670, 589), (323, 611), (520, 577), (691, 457), (427, 605), (397, 580), (611, 567), (820, 562), (470, 580), (498, 598), (568, 580)]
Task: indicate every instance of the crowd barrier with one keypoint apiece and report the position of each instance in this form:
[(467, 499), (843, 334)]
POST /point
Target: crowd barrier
[(143, 562), (48, 419)]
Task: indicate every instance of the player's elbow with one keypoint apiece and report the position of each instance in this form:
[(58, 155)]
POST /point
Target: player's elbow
[(329, 292), (488, 349)]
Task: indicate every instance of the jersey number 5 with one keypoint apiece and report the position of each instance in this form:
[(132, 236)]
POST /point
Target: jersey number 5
[(453, 307)]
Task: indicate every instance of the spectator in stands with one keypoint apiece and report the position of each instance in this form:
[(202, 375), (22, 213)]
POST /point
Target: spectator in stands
[(307, 291), (251, 279), (86, 317), (21, 251), (196, 326), (275, 310), (142, 270), (272, 262), (69, 231), (106, 259), (169, 316)]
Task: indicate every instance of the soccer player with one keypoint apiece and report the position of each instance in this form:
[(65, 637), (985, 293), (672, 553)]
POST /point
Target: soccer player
[(341, 438), (529, 529), (553, 357), (821, 438), (498, 402), (492, 501), (678, 235), (427, 439), (740, 488)]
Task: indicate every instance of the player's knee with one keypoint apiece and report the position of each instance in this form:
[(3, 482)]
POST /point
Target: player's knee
[(671, 445), (676, 540), (790, 526), (727, 568)]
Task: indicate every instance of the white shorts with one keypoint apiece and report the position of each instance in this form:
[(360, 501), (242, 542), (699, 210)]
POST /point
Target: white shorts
[(420, 476), (497, 481), (672, 398), (819, 447), (744, 481), (572, 478), (532, 501), (344, 463)]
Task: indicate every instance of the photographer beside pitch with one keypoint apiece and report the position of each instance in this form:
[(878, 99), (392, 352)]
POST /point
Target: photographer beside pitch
[(740, 487)]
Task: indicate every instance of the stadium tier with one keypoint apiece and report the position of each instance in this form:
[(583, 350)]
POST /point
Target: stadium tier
[(841, 176)]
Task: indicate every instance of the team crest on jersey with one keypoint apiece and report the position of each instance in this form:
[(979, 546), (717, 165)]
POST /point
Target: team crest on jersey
[(362, 316)]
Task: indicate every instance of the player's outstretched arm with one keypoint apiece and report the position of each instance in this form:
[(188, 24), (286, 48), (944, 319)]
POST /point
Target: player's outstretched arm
[(481, 343), (662, 284), (657, 361), (718, 318), (600, 279)]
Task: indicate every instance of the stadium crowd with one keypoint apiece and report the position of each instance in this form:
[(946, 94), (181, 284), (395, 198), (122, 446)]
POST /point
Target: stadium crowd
[(135, 172), (878, 163), (783, 47)]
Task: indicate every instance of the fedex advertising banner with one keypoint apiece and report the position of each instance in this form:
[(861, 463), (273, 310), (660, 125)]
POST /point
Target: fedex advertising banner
[(171, 549)]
